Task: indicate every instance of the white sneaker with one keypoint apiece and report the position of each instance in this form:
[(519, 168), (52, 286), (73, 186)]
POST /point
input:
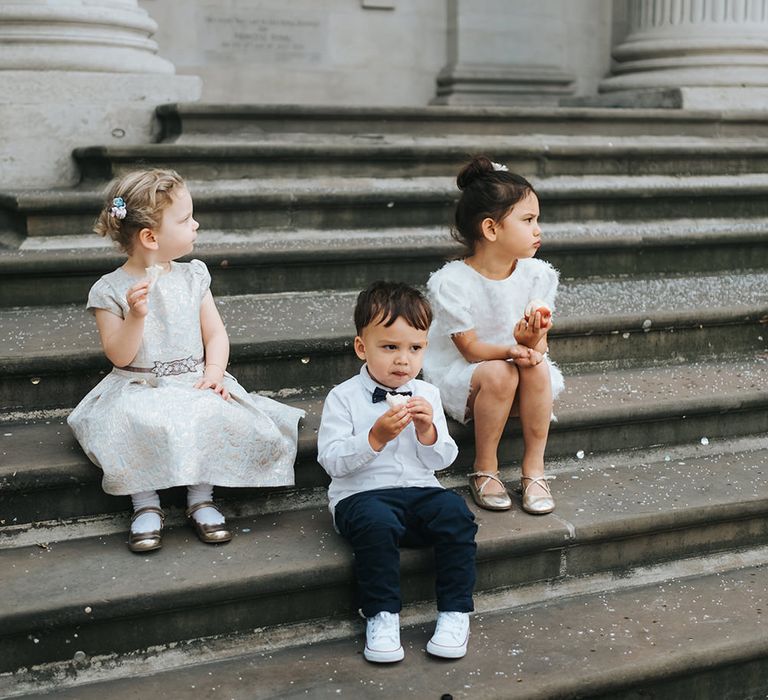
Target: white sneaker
[(382, 638), (451, 635)]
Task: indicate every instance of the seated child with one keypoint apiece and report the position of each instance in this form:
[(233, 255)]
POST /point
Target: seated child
[(382, 436)]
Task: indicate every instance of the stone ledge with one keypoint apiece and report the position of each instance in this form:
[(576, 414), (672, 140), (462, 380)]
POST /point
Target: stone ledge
[(91, 585)]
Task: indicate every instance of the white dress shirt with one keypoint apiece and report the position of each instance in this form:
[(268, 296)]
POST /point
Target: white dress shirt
[(344, 452)]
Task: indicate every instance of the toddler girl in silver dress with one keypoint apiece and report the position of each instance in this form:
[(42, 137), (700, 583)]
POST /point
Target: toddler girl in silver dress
[(169, 414)]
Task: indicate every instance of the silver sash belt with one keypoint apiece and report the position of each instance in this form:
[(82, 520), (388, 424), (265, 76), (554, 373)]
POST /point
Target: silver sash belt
[(167, 369)]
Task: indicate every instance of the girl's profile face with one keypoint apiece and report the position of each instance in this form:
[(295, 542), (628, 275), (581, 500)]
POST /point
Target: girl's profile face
[(177, 232), (518, 233)]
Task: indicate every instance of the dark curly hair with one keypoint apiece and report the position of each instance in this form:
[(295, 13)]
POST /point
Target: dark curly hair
[(385, 302), (485, 193)]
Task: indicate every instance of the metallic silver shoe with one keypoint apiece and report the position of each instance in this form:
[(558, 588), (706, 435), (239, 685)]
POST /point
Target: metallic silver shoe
[(210, 534), (537, 504), (141, 542), (491, 501)]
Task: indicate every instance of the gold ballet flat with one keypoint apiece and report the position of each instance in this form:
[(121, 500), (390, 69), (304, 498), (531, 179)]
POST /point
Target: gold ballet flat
[(141, 542), (210, 534), (537, 504), (491, 501)]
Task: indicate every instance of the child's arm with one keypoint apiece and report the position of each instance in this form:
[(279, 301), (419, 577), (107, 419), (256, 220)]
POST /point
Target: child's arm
[(216, 344), (475, 350), (121, 337), (436, 448), (342, 451)]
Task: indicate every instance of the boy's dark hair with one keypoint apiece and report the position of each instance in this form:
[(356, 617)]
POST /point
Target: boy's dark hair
[(384, 302)]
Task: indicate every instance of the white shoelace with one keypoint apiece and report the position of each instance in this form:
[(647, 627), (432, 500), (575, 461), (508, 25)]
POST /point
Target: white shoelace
[(453, 625), (384, 627)]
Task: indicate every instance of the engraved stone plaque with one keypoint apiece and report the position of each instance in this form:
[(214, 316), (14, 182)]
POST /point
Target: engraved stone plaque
[(239, 32)]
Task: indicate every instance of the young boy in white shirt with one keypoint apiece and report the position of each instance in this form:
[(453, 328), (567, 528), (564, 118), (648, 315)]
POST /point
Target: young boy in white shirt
[(381, 455)]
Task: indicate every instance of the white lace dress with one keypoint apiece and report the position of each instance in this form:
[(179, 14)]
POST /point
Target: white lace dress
[(462, 300), (152, 430)]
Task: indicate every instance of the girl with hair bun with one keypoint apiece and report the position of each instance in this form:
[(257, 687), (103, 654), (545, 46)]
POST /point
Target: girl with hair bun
[(488, 347), (169, 414)]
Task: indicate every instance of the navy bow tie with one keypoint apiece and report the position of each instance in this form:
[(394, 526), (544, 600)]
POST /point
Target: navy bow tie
[(380, 394)]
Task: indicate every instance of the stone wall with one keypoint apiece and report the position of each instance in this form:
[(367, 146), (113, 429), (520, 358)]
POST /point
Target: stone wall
[(377, 52), (334, 52)]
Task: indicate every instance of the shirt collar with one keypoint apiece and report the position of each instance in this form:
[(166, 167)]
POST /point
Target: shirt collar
[(369, 383)]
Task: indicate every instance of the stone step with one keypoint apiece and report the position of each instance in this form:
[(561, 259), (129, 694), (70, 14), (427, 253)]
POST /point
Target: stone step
[(328, 203), (44, 476), (61, 269), (188, 122), (691, 636), (91, 595), (385, 155), (51, 355)]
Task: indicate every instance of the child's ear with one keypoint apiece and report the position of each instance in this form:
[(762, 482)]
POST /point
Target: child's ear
[(488, 228), (147, 238), (359, 347)]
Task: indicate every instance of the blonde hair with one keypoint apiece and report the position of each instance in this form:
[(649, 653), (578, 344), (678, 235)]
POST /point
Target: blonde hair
[(146, 194)]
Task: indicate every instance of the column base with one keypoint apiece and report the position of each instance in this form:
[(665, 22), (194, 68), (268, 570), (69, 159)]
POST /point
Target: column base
[(501, 85), (45, 115), (693, 98)]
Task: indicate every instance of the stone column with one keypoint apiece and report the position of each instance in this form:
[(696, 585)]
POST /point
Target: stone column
[(693, 54), (75, 73), (504, 53)]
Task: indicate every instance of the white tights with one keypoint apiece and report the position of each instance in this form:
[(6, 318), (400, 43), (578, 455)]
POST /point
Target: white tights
[(148, 522), (200, 493)]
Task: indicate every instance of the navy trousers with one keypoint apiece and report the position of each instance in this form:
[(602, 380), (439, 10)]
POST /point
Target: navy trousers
[(377, 523)]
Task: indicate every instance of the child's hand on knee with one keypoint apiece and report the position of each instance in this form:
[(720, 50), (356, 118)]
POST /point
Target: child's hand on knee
[(422, 415), (388, 427), (217, 387), (524, 356)]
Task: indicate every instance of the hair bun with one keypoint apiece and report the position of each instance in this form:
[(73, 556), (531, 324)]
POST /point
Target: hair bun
[(478, 167)]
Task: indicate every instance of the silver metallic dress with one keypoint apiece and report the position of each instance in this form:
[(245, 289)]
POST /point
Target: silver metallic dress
[(148, 428)]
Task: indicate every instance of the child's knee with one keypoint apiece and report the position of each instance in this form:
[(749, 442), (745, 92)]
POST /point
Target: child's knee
[(456, 515), (498, 377), (537, 375)]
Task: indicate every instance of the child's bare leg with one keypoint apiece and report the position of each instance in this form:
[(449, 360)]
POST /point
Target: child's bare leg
[(494, 384), (535, 406)]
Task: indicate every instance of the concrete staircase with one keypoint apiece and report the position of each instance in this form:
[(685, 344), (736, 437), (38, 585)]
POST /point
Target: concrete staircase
[(649, 579)]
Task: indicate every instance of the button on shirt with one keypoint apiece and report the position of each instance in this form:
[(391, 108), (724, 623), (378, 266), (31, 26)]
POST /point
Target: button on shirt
[(344, 452)]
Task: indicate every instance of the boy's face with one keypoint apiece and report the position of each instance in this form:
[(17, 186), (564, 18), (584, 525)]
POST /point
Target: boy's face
[(394, 353)]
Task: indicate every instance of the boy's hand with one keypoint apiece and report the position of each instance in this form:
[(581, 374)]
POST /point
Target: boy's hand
[(136, 297), (388, 427), (421, 413), (529, 332)]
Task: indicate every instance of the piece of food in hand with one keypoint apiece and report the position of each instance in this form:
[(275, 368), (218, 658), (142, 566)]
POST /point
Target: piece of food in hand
[(396, 400), (535, 305), (153, 272)]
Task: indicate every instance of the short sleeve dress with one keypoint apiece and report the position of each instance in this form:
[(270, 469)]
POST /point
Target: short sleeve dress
[(148, 428), (462, 299)]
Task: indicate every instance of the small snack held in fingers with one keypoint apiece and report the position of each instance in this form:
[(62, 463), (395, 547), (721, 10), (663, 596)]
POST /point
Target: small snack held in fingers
[(153, 272), (535, 305), (396, 400)]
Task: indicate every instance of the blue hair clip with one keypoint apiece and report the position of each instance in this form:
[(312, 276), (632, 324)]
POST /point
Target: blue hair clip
[(118, 209)]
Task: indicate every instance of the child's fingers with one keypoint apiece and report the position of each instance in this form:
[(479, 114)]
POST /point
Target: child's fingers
[(144, 284), (221, 391)]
